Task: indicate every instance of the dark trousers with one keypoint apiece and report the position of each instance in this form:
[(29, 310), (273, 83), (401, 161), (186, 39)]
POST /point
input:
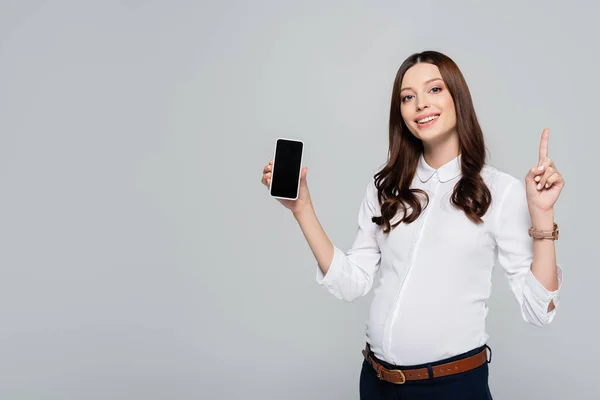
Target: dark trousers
[(469, 385)]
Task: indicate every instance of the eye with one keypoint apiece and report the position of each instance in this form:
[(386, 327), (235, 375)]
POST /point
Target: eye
[(406, 98), (436, 89)]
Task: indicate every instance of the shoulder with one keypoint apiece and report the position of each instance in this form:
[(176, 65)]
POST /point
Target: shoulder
[(371, 192), (371, 189), (500, 182), (508, 192)]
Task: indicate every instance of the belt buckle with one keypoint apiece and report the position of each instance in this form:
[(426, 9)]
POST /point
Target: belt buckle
[(402, 377)]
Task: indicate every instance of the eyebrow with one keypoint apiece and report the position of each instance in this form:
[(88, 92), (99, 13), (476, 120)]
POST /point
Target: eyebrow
[(431, 80)]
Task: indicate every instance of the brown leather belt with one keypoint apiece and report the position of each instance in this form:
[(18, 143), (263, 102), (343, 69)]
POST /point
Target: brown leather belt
[(398, 376)]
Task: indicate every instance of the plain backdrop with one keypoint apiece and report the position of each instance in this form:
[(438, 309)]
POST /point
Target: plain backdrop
[(141, 258)]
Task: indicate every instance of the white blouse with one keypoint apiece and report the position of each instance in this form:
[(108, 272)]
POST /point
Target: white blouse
[(435, 274)]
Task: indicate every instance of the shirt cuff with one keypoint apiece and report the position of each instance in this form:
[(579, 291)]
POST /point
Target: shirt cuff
[(543, 296), (334, 270)]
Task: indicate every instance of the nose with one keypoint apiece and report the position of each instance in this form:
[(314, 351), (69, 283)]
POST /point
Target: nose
[(421, 104)]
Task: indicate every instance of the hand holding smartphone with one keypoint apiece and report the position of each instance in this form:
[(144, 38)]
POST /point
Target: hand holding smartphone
[(284, 176)]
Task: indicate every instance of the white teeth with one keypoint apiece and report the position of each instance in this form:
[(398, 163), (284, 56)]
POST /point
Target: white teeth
[(422, 121)]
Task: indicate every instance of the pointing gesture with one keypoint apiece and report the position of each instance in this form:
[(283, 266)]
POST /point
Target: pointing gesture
[(544, 146), (543, 182)]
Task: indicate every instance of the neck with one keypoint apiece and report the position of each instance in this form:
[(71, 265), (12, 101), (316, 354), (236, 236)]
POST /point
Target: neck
[(438, 154)]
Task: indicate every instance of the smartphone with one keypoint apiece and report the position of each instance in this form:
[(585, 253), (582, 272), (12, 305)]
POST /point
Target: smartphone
[(287, 166)]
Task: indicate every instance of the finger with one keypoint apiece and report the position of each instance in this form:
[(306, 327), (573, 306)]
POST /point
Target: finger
[(554, 179), (266, 180), (264, 177), (535, 171), (267, 168), (267, 176), (549, 172), (544, 145), (541, 168), (303, 174)]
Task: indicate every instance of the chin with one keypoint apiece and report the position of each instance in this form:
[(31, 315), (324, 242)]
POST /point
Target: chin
[(432, 136), (427, 134)]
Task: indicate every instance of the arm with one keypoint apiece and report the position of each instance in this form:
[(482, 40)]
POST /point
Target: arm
[(543, 187), (350, 275), (543, 266), (317, 239), (347, 276), (520, 257)]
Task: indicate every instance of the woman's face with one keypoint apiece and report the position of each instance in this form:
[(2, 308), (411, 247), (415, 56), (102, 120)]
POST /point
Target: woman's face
[(426, 104)]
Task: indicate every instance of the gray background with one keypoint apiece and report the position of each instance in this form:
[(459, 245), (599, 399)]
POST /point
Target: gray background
[(141, 258)]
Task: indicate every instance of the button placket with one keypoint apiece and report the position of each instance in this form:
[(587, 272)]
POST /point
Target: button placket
[(435, 183)]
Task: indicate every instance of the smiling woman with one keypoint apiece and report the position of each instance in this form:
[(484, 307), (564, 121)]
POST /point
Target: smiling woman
[(433, 223), (429, 91)]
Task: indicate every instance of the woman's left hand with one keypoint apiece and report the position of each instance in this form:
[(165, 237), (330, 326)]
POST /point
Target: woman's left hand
[(543, 186)]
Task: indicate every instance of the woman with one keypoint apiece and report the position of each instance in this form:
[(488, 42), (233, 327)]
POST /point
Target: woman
[(432, 224)]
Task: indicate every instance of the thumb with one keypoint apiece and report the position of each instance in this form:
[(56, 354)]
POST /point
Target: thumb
[(303, 176)]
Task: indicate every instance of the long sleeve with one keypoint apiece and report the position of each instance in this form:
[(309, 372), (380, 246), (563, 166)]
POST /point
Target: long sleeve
[(515, 255), (351, 275)]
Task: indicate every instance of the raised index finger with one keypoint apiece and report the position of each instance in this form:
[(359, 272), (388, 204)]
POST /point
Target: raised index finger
[(544, 145)]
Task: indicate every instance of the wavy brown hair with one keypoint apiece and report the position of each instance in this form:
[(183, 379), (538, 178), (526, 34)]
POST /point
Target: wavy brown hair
[(393, 181)]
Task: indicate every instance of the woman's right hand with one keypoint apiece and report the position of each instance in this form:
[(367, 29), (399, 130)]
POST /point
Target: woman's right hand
[(295, 206)]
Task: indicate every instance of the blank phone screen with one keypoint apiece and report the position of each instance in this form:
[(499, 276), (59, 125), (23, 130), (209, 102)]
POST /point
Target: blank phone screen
[(286, 168)]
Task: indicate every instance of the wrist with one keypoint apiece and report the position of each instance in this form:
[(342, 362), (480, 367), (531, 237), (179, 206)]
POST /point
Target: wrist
[(307, 209), (542, 219)]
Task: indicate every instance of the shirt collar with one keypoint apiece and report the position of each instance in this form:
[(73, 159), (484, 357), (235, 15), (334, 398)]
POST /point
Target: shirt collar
[(446, 172)]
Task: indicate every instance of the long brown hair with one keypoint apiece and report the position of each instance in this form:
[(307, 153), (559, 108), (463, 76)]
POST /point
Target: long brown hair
[(393, 181)]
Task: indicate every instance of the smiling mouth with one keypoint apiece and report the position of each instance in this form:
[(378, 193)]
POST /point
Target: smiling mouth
[(428, 121)]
